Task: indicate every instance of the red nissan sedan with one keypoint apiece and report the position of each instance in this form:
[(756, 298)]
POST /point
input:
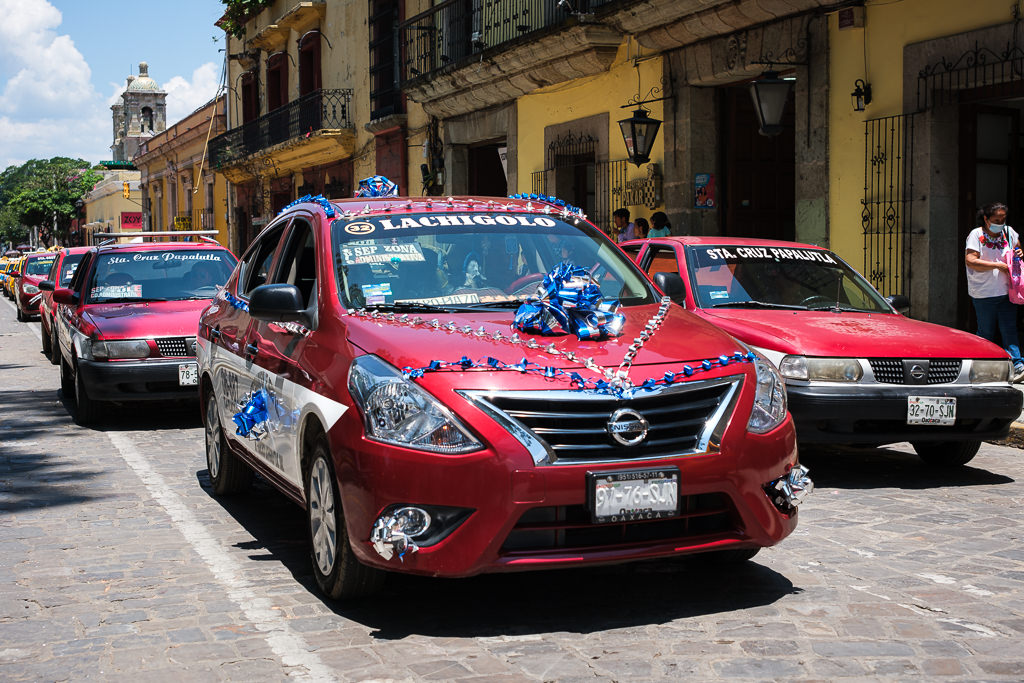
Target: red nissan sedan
[(856, 370), (33, 269), (126, 322), (59, 276), (451, 387)]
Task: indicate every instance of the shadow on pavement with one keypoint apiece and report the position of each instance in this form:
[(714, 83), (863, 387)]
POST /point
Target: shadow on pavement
[(570, 600), (31, 479), (845, 467)]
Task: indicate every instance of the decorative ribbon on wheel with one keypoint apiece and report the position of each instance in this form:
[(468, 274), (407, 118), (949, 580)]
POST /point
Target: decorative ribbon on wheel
[(570, 299), (377, 186)]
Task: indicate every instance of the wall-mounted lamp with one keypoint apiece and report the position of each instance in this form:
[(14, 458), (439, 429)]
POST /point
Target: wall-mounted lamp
[(639, 132), (770, 94), (861, 94)]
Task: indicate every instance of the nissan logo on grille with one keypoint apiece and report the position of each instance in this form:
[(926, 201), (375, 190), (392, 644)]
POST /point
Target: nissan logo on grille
[(917, 372), (627, 427)]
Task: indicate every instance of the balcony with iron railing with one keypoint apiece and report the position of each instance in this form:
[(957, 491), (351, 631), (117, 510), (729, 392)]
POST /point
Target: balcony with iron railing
[(300, 129), (484, 46), (202, 219)]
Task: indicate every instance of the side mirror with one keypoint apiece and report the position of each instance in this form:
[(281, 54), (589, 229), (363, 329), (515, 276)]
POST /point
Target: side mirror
[(47, 285), (900, 302), (672, 285), (63, 295), (278, 303)]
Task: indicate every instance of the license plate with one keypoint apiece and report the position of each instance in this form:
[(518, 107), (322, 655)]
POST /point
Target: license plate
[(633, 495), (931, 410), (188, 374)]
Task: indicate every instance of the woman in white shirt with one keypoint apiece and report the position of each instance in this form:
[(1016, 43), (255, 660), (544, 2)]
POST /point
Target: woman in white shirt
[(988, 281)]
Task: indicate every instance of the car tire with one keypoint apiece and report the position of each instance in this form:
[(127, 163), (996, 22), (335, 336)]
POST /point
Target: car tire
[(21, 316), (67, 379), (54, 346), (946, 453), (44, 336), (339, 574), (87, 410), (228, 474)]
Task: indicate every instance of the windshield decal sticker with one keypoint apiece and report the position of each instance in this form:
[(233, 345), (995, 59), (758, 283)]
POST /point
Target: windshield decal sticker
[(116, 292), (768, 253), (376, 293), (166, 256), (448, 299), (454, 220), (381, 253), (360, 228)]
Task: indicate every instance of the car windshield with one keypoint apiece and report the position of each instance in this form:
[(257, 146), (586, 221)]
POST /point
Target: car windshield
[(778, 277), (39, 266), (155, 275), (472, 259), (67, 268)]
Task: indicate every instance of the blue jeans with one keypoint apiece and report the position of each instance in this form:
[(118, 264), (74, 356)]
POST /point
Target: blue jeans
[(997, 314)]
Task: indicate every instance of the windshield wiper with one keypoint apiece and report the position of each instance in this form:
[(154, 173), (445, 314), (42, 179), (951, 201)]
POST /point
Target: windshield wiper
[(840, 308), (514, 303), (756, 304)]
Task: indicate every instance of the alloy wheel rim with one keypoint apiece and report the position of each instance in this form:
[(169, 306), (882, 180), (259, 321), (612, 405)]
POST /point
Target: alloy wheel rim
[(321, 517), (212, 438)]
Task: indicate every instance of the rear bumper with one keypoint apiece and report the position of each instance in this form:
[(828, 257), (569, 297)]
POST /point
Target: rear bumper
[(144, 380), (870, 415)]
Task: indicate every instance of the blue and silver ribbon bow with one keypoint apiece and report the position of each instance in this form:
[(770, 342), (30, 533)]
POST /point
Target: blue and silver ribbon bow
[(570, 299), (252, 416), (377, 186)]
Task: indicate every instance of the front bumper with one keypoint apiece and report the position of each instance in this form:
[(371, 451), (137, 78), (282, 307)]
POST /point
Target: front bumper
[(526, 517), (142, 380), (28, 303), (877, 415)]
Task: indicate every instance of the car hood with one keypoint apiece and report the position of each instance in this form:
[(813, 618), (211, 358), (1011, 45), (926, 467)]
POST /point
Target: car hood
[(859, 335), (682, 338), (146, 319)]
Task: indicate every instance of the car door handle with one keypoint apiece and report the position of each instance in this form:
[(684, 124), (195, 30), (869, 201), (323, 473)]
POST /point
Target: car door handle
[(251, 350), (215, 334)]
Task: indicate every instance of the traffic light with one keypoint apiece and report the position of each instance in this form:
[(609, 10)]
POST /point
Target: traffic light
[(126, 190)]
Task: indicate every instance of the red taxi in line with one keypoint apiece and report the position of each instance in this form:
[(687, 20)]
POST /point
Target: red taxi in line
[(126, 321), (856, 371), (59, 276), (362, 359), (33, 270)]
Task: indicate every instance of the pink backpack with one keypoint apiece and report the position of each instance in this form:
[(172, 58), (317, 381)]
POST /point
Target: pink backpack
[(1016, 278)]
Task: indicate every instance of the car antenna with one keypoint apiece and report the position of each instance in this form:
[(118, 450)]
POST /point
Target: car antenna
[(839, 288)]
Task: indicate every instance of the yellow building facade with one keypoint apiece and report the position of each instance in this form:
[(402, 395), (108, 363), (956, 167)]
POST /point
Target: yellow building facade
[(108, 210), (179, 189), (939, 138)]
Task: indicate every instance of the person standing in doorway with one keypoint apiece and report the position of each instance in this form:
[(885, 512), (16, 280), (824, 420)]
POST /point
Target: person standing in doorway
[(661, 226), (988, 281), (623, 228)]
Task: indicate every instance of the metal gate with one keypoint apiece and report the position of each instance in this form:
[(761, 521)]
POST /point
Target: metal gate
[(887, 203)]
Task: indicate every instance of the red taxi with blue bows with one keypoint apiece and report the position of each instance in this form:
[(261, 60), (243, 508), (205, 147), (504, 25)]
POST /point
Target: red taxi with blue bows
[(466, 385)]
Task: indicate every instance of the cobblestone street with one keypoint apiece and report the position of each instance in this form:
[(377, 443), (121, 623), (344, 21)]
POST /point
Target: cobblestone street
[(118, 564)]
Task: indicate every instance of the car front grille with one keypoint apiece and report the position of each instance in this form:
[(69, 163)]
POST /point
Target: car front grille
[(173, 346), (573, 426), (569, 526), (890, 370)]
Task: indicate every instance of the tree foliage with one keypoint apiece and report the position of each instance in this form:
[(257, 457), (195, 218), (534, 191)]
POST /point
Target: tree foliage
[(42, 193), (237, 12)]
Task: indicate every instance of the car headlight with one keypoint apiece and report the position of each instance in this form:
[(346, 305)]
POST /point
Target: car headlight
[(821, 369), (30, 289), (133, 348), (769, 400), (990, 371), (399, 412)]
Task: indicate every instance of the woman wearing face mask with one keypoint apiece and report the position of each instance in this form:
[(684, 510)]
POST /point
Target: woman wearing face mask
[(988, 281)]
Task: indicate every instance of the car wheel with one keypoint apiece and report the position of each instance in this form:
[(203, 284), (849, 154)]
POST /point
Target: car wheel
[(338, 572), (67, 379), (44, 336), (946, 453), (54, 346), (87, 410), (228, 474)]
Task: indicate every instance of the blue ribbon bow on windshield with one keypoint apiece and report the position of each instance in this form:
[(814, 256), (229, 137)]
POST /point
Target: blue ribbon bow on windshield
[(570, 299)]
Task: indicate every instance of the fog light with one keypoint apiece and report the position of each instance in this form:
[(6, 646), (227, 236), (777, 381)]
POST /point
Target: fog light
[(393, 531), (787, 492)]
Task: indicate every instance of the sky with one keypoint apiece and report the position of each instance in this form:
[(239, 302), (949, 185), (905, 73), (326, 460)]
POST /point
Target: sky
[(64, 62)]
